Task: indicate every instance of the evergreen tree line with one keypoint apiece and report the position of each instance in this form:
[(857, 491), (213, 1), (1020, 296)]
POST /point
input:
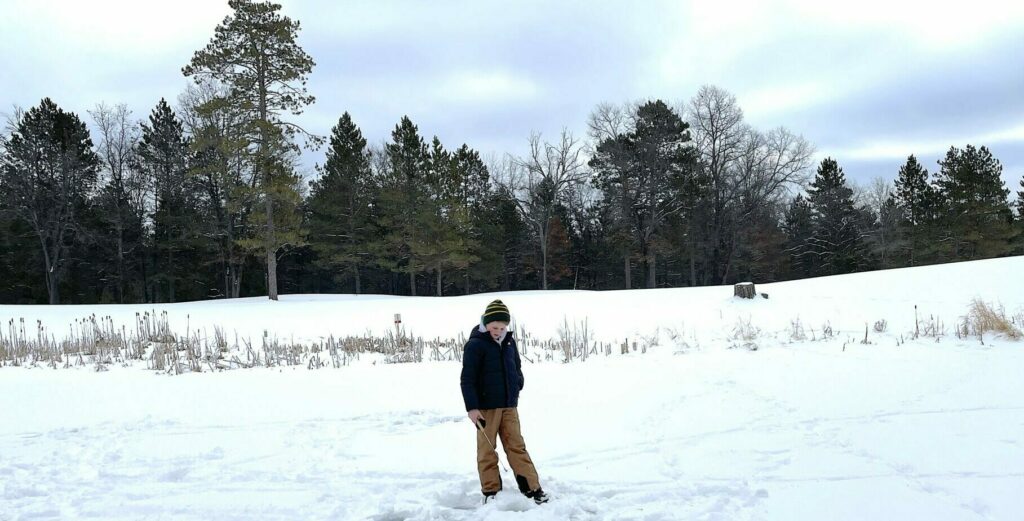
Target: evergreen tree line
[(205, 201), (169, 210)]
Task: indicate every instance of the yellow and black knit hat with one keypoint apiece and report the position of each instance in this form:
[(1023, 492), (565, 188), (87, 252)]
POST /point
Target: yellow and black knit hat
[(496, 311)]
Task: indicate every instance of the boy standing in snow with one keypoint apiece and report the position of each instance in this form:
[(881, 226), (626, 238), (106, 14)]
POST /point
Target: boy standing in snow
[(492, 377)]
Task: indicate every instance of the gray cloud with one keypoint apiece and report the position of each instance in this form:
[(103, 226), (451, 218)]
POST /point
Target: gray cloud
[(937, 97), (488, 73)]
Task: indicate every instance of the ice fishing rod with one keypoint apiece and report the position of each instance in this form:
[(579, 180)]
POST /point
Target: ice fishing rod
[(480, 429)]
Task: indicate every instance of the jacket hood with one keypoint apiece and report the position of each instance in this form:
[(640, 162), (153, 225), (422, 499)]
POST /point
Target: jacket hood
[(479, 331)]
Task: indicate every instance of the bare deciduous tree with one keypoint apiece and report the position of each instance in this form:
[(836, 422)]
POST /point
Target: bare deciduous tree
[(719, 133), (608, 121), (747, 169), (545, 177), (124, 191)]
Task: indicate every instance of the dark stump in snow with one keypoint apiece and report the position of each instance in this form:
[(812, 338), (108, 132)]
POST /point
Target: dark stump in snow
[(744, 290)]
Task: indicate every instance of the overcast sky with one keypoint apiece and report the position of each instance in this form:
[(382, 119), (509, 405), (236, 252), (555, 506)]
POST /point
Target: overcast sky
[(867, 83)]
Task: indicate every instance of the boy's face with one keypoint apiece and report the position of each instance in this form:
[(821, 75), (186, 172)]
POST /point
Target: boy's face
[(497, 329)]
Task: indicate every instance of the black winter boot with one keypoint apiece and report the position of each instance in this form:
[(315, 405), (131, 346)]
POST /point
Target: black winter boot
[(538, 496)]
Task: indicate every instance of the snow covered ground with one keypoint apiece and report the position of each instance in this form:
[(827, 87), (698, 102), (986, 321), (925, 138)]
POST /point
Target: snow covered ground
[(828, 428)]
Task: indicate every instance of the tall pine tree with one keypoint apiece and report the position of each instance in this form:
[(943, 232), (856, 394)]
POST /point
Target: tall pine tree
[(915, 199), (1020, 201), (976, 217), (339, 203), (49, 170), (401, 199), (837, 242), (887, 237), (613, 168), (651, 172), (475, 205), (1020, 219), (798, 226), (444, 220), (163, 157), (254, 52)]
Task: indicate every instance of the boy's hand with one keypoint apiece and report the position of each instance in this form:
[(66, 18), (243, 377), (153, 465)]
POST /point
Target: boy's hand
[(475, 416)]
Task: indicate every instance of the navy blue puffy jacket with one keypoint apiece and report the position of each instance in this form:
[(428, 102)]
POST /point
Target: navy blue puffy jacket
[(492, 374)]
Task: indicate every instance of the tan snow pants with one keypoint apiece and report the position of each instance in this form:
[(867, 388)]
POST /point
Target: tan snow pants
[(503, 422)]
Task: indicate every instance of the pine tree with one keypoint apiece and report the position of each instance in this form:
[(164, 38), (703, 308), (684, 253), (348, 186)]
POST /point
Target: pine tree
[(437, 244), (798, 226), (401, 200), (163, 157), (1020, 219), (508, 233), (339, 202), (651, 171), (20, 255), (1020, 201), (873, 236), (837, 242), (887, 237), (286, 194), (477, 223), (759, 253), (976, 217), (49, 170), (613, 165), (219, 162), (915, 200), (254, 52), (456, 182)]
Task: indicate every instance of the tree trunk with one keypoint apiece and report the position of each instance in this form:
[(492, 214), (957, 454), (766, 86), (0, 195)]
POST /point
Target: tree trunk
[(261, 161), (271, 254), (626, 269), (170, 275), (725, 274), (693, 263), (544, 274), (271, 274), (51, 275), (544, 256), (439, 281), (913, 244), (359, 288), (412, 281), (146, 296), (652, 273), (238, 282), (120, 260), (234, 269), (53, 289), (234, 281)]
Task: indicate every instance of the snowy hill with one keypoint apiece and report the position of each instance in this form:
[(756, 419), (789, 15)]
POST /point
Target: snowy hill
[(813, 424), (846, 302)]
